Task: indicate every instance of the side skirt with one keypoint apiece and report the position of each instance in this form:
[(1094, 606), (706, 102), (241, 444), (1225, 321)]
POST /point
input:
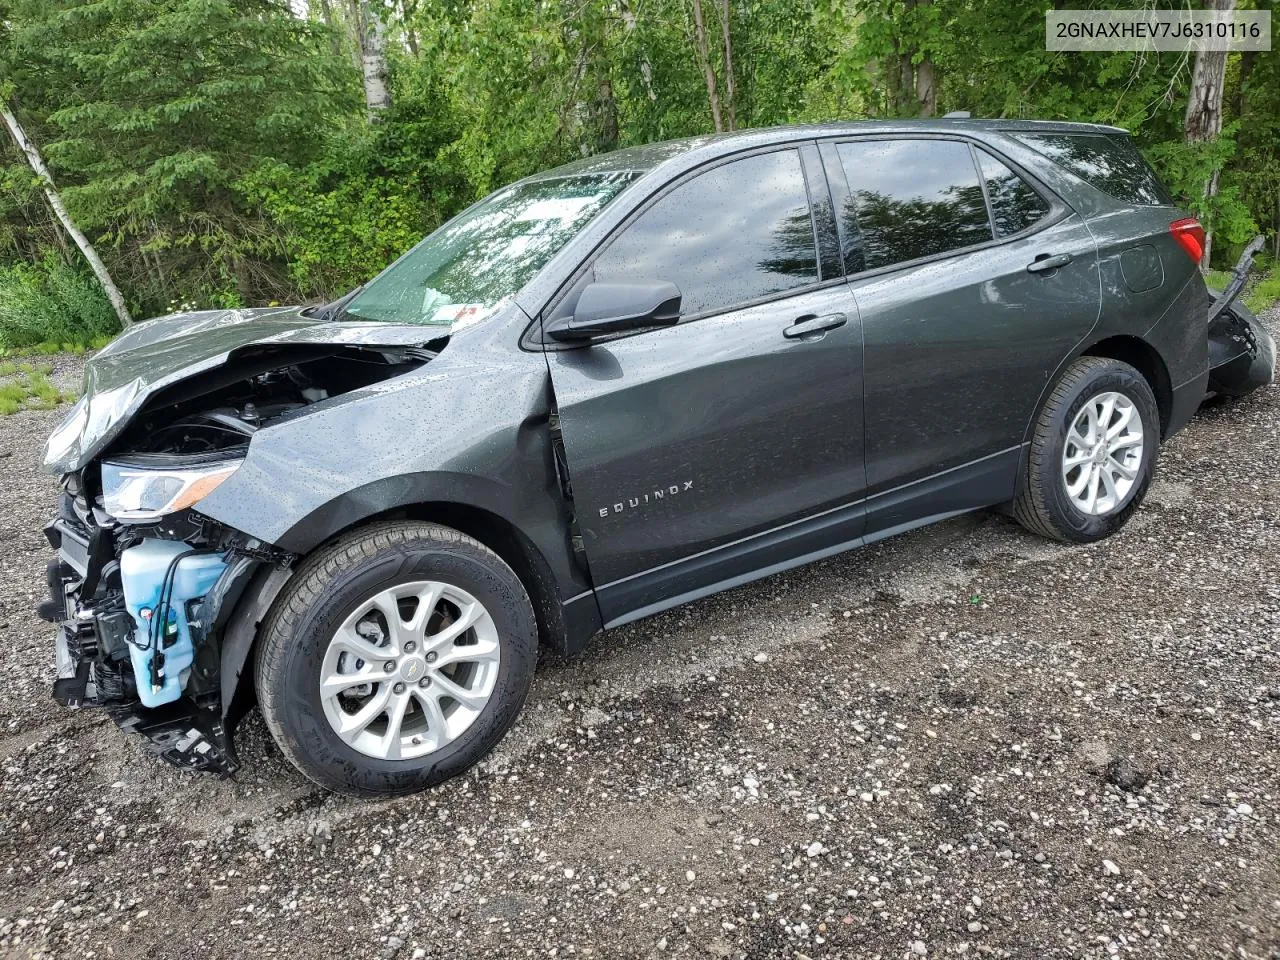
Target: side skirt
[(982, 483)]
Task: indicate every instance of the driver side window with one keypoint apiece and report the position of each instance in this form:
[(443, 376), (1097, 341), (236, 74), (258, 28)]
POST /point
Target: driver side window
[(738, 232)]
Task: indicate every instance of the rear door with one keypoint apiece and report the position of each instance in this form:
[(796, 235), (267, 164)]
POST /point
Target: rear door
[(973, 283), (703, 452)]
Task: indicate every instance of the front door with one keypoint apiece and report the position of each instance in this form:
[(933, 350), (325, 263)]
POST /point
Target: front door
[(703, 452)]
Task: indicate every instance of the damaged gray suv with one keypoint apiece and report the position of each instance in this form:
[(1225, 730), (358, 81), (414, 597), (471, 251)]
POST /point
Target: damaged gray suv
[(604, 391)]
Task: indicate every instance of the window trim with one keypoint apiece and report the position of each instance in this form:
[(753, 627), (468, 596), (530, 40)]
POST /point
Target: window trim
[(1058, 211), (534, 338), (986, 194), (823, 214)]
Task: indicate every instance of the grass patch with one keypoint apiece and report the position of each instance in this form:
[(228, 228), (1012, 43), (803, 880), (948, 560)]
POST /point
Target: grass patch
[(1217, 279), (48, 302), (26, 386), (1265, 292), (1261, 290), (51, 348)]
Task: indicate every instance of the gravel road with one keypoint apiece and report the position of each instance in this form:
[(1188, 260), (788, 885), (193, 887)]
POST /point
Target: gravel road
[(963, 741)]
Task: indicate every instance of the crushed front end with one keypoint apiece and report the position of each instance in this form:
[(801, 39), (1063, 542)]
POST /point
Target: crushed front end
[(174, 700), (156, 605)]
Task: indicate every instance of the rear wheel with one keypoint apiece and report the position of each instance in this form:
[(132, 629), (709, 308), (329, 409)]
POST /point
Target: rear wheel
[(395, 658), (1092, 453)]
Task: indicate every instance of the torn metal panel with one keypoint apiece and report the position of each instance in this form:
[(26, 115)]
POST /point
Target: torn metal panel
[(152, 356)]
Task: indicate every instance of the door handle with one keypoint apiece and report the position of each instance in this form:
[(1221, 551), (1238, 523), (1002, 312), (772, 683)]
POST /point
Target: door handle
[(808, 325), (1044, 263)]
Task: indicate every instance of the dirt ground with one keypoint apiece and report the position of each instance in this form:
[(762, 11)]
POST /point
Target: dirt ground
[(963, 741)]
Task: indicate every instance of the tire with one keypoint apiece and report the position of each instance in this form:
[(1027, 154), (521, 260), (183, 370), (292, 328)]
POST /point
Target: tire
[(330, 588), (1043, 504)]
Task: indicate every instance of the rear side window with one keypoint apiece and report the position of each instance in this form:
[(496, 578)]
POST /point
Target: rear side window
[(1110, 163), (909, 199), (736, 233), (1015, 206)]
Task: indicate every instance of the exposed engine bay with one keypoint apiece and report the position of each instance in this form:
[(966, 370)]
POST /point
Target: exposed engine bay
[(210, 414), (142, 584)]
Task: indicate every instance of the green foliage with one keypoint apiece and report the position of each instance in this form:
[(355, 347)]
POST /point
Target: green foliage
[(339, 230), (1265, 293), (217, 152), (25, 386), (1186, 168), (368, 197), (150, 111), (49, 301)]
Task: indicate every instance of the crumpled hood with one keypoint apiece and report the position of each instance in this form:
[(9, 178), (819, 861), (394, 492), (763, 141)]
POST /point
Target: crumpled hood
[(155, 354)]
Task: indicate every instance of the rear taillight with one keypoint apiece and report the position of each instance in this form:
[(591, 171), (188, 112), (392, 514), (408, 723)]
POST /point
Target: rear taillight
[(1190, 236)]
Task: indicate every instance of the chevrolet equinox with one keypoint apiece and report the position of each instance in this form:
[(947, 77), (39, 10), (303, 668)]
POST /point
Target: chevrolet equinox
[(603, 391)]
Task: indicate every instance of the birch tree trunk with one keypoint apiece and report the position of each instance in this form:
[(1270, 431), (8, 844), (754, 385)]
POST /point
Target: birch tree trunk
[(373, 60), (926, 79), (1203, 120), (704, 60), (60, 211), (926, 89), (730, 98), (646, 68)]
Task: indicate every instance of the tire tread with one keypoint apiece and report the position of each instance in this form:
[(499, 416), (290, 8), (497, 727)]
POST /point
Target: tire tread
[(306, 588), (1030, 507)]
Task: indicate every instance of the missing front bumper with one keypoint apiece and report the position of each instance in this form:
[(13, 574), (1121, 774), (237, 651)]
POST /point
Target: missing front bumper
[(186, 734), (93, 669)]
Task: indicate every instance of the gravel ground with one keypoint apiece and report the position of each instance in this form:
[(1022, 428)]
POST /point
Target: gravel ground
[(963, 741)]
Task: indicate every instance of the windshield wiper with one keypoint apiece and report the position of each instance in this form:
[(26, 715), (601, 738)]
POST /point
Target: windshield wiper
[(326, 312)]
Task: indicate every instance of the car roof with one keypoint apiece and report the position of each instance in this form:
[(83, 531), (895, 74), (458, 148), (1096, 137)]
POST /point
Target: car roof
[(647, 157)]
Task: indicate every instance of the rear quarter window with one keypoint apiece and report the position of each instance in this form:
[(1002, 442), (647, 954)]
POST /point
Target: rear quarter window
[(1109, 162)]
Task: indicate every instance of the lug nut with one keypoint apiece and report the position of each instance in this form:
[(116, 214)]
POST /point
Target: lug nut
[(409, 647), (389, 666), (431, 658), (398, 688), (424, 682)]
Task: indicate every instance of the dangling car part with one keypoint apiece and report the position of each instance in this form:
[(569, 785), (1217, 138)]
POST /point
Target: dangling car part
[(599, 393), (1242, 354)]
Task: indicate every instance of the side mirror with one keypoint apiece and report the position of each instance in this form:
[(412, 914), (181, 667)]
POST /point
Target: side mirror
[(607, 308)]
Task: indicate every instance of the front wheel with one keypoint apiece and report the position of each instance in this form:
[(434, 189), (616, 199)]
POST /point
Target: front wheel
[(395, 658), (1093, 453)]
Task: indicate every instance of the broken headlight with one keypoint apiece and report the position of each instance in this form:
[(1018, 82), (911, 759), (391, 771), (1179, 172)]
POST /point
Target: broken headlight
[(144, 491)]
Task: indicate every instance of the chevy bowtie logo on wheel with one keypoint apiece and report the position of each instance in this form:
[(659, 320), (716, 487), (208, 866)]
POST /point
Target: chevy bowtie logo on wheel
[(644, 499)]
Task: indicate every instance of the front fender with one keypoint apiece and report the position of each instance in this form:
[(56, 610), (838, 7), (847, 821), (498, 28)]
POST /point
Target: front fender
[(361, 503)]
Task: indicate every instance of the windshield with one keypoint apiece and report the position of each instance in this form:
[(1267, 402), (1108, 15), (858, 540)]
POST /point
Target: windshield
[(474, 264)]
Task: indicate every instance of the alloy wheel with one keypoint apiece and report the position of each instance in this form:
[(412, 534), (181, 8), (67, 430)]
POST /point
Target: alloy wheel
[(1102, 457), (410, 670)]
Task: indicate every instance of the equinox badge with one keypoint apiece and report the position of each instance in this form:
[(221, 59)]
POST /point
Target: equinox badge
[(644, 499)]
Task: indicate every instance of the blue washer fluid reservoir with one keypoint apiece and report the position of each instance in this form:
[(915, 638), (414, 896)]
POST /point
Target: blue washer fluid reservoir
[(142, 572)]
